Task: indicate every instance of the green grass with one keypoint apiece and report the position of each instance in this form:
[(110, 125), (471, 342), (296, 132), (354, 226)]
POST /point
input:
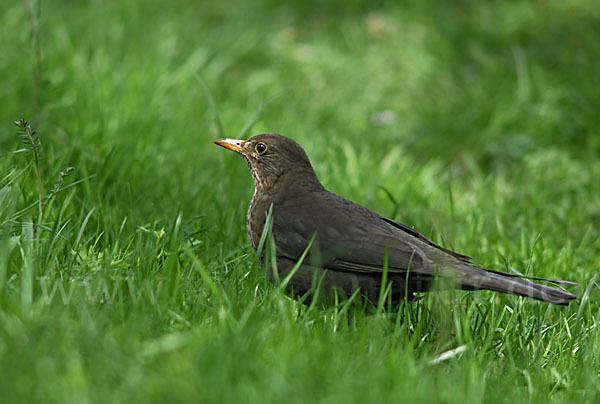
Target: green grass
[(477, 123)]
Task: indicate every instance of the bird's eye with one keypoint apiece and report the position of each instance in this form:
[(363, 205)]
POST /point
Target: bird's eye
[(260, 148)]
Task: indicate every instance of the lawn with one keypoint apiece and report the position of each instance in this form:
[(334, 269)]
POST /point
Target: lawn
[(476, 122)]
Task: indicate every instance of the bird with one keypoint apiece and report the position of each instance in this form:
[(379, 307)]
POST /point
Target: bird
[(328, 243)]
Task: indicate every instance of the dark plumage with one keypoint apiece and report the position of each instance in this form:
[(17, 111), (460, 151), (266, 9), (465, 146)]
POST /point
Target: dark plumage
[(350, 240)]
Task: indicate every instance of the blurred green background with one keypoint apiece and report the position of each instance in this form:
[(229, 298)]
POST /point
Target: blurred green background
[(476, 122)]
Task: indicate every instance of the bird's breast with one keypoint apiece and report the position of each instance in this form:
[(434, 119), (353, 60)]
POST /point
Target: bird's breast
[(255, 218)]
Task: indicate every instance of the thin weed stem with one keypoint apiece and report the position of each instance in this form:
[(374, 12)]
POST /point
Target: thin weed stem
[(32, 142)]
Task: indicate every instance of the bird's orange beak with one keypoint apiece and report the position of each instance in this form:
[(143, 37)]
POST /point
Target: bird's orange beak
[(232, 144)]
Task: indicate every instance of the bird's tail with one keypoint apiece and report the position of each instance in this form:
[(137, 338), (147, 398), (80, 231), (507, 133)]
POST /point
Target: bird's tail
[(474, 278)]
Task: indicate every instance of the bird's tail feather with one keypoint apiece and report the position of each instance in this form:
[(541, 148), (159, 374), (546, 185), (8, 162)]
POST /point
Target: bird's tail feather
[(478, 278), (532, 278)]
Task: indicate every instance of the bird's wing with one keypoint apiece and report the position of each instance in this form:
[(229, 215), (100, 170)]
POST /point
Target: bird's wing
[(348, 236), (422, 238)]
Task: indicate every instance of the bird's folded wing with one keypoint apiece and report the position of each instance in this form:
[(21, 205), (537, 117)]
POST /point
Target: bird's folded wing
[(410, 231), (376, 252), (343, 244)]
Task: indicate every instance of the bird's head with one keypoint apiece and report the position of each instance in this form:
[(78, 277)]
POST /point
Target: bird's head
[(273, 158)]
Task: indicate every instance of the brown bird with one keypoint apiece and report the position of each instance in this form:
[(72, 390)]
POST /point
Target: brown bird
[(351, 245)]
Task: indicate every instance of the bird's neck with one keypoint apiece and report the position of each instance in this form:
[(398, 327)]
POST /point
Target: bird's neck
[(286, 182)]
